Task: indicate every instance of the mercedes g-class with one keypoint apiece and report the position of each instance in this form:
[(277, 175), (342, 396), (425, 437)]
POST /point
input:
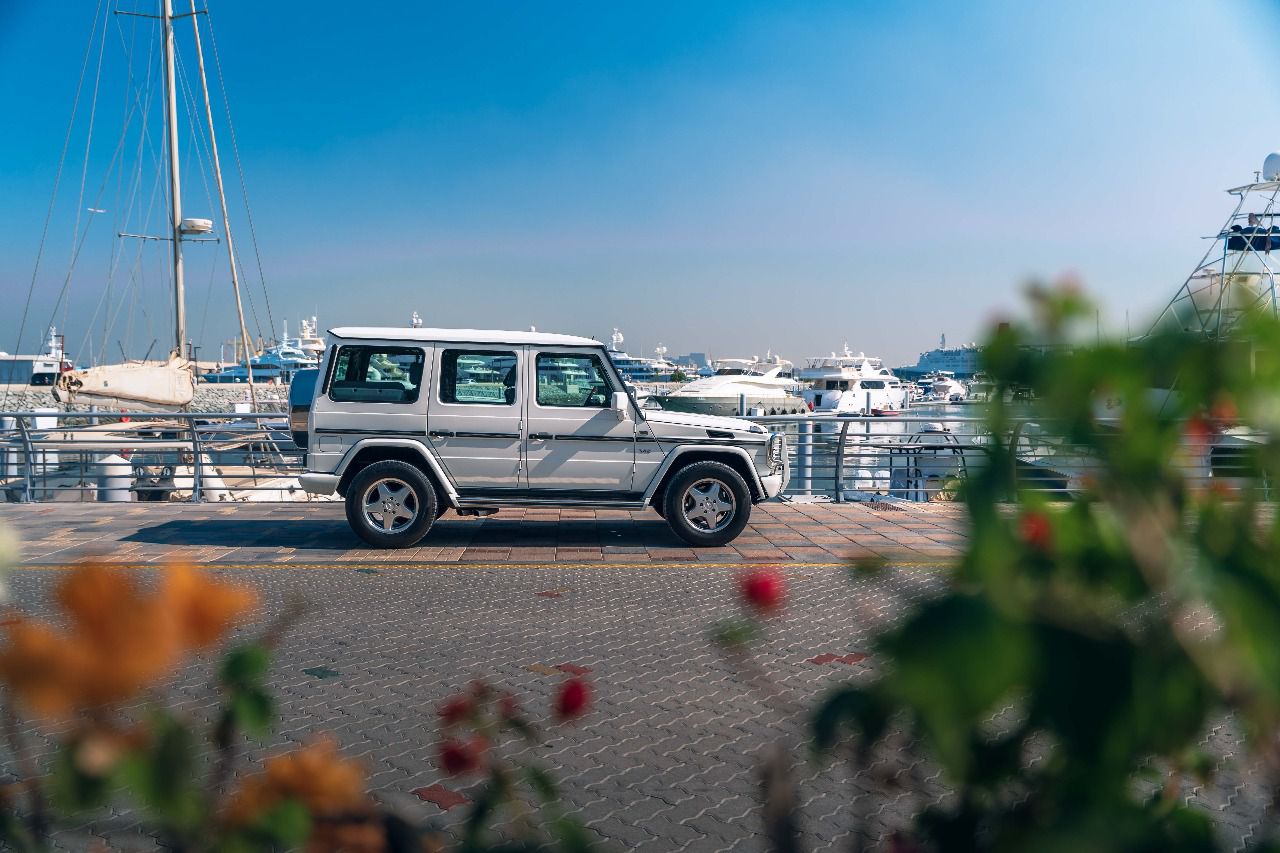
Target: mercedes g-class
[(406, 423)]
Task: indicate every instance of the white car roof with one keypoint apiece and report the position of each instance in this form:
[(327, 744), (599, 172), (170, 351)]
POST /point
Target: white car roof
[(460, 336)]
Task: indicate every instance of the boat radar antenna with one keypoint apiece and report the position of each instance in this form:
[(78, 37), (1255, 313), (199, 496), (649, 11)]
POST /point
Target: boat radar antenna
[(415, 322), (616, 340), (660, 351)]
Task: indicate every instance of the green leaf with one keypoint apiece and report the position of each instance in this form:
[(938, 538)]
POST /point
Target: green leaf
[(287, 824), (542, 783), (859, 708), (163, 775), (571, 835), (953, 662), (733, 634), (253, 710), (245, 666), (72, 789)]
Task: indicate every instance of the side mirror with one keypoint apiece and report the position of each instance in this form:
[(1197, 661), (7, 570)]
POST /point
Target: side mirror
[(621, 405)]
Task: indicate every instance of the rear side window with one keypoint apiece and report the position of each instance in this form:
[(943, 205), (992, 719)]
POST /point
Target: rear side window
[(479, 377), (376, 374)]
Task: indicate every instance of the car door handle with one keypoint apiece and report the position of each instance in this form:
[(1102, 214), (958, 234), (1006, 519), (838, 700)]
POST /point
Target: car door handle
[(541, 436), (441, 433)]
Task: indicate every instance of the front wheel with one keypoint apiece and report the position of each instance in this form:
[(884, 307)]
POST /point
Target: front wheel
[(707, 504), (391, 504)]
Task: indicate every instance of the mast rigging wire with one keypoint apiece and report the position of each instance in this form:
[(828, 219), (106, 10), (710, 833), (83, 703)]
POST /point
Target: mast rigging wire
[(244, 190), (57, 180)]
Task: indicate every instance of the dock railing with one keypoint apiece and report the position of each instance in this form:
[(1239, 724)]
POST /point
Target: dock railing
[(237, 456)]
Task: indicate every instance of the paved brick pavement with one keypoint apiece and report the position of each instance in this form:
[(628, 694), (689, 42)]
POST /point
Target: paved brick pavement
[(317, 534), (666, 760)]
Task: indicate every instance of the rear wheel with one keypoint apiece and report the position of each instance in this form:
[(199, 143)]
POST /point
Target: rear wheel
[(707, 504), (391, 504)]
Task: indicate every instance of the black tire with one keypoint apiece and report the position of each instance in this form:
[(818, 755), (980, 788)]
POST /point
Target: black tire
[(391, 488), (693, 500)]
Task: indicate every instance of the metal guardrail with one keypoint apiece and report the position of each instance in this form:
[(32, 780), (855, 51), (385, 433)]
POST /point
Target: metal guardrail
[(908, 457), (923, 457), (134, 456), (231, 457)]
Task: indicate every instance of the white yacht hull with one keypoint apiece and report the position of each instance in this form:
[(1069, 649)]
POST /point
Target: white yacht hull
[(730, 406)]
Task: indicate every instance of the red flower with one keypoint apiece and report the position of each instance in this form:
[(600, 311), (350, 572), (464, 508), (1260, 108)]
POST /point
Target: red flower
[(508, 707), (763, 589), (1036, 531), (455, 709), (458, 757), (573, 699), (1199, 429)]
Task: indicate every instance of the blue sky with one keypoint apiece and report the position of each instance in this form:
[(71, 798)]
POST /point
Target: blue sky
[(718, 176)]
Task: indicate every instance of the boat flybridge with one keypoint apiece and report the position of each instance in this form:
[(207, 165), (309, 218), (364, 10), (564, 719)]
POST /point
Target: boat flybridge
[(851, 384), (1234, 279), (1237, 274)]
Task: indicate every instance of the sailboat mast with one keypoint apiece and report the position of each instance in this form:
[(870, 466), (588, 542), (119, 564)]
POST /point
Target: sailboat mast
[(222, 198), (175, 186)]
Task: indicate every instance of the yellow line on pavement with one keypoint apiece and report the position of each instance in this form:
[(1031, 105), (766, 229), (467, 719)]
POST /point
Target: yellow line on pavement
[(935, 564)]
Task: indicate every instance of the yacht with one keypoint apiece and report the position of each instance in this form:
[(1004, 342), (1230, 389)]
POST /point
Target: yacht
[(945, 388), (636, 368), (852, 384), (739, 386), (308, 340), (35, 369), (277, 364)]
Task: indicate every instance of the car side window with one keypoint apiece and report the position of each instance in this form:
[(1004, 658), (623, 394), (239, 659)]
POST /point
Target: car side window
[(478, 377), (577, 381), (376, 374)]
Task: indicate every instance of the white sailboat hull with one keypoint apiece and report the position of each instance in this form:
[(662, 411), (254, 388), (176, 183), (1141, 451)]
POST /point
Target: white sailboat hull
[(138, 386)]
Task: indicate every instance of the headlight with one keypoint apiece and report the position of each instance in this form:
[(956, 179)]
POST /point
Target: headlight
[(777, 447)]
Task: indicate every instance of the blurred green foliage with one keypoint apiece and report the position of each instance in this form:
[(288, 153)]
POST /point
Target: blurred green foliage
[(1087, 639)]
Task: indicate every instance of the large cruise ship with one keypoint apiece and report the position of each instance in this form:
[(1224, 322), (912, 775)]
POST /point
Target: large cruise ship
[(961, 361)]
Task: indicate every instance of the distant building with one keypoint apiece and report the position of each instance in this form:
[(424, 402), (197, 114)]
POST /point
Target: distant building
[(693, 359)]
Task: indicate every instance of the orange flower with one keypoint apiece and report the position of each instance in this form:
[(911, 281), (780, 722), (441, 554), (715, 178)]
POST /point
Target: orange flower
[(206, 609), (42, 667), (314, 775), (131, 636), (367, 835), (121, 639)]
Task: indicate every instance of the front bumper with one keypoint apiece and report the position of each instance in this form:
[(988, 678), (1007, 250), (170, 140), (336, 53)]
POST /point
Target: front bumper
[(318, 484)]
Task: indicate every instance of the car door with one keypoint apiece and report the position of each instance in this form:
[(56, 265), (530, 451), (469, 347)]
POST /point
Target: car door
[(475, 423), (576, 440), (371, 390)]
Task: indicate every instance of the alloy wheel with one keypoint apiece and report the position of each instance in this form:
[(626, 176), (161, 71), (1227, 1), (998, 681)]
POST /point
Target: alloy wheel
[(390, 505)]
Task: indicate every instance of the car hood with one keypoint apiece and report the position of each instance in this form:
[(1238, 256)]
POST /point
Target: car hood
[(686, 424)]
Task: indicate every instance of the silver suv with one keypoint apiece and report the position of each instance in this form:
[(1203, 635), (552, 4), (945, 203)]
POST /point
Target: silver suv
[(405, 423)]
